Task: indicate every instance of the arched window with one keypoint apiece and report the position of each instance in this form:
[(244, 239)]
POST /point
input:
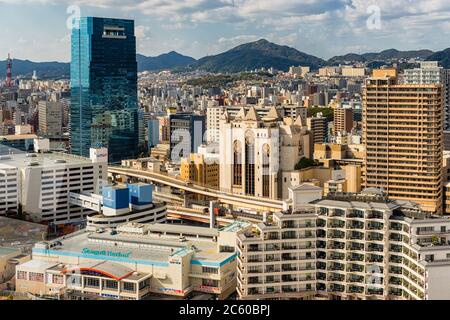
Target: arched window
[(266, 170), (250, 163), (237, 163)]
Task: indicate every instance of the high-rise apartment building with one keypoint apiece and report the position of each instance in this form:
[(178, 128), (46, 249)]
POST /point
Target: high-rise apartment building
[(347, 246), (104, 88), (318, 126), (403, 136)]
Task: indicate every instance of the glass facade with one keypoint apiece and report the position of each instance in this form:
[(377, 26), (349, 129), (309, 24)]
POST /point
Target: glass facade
[(104, 88)]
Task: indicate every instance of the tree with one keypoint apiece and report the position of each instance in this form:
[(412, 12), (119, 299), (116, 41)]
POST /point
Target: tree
[(305, 163)]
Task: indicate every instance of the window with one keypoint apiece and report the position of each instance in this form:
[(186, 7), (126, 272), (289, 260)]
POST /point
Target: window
[(38, 277), (144, 284), (22, 275), (57, 279), (92, 282), (129, 286), (110, 284), (210, 270), (210, 283)]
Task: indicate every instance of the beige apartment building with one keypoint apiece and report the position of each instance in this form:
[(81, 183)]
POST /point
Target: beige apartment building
[(403, 136), (349, 246), (353, 72), (200, 170)]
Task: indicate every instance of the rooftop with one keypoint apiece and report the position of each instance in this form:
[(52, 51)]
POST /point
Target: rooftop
[(201, 231), (236, 226), (133, 248), (50, 159), (5, 251), (13, 137)]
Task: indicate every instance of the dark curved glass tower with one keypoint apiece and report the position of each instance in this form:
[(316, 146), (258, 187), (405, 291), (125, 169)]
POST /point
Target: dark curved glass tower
[(104, 103)]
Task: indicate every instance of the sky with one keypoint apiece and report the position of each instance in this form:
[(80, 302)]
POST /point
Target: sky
[(37, 29)]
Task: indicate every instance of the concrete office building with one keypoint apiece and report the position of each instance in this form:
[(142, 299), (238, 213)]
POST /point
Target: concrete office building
[(403, 137), (41, 183), (347, 246), (50, 118), (135, 261)]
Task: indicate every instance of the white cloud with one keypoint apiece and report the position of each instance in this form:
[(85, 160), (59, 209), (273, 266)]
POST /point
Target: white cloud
[(321, 27)]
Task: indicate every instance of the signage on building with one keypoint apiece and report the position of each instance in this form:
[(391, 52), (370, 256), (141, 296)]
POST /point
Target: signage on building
[(106, 253)]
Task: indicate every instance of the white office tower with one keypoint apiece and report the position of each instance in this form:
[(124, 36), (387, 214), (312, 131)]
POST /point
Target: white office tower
[(213, 113), (429, 72), (43, 182)]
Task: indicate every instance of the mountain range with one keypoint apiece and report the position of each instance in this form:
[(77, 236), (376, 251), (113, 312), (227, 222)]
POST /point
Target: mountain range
[(255, 55), (386, 55), (249, 56)]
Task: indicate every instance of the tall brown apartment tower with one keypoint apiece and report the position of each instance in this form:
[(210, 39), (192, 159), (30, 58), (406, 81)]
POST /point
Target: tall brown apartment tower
[(403, 136), (343, 120)]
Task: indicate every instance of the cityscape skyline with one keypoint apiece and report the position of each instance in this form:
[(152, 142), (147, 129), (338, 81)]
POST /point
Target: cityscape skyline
[(262, 173), (204, 28)]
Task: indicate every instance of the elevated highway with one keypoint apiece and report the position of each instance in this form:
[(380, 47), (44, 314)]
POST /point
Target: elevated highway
[(242, 201), (195, 215)]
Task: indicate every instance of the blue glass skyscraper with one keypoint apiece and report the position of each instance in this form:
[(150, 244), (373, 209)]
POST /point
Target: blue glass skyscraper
[(104, 88)]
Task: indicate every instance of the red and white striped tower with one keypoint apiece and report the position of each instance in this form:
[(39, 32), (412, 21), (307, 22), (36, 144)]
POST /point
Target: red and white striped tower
[(9, 72)]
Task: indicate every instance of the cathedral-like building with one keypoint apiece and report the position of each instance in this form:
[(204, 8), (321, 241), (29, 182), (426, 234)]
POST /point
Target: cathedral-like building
[(255, 151)]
